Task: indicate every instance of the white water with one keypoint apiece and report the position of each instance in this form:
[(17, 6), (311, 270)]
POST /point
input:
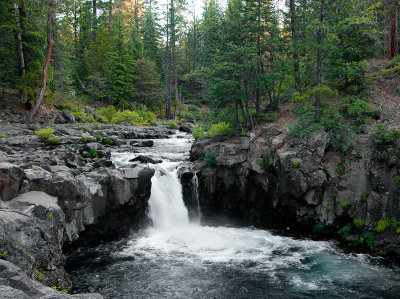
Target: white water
[(166, 208)]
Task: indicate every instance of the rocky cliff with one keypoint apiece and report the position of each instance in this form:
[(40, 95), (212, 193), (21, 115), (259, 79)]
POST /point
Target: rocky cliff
[(299, 185), (55, 196)]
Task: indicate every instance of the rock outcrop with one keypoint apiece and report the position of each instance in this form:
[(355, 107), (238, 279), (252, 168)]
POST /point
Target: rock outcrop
[(299, 185), (52, 197)]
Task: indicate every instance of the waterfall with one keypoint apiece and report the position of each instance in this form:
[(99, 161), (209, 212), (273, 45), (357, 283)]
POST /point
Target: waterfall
[(166, 207), (195, 196)]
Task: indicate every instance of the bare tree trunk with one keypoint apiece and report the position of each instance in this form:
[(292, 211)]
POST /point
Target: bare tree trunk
[(393, 33), (319, 63), (236, 116), (259, 54), (296, 63), (167, 64), (94, 19), (20, 52), (75, 25), (39, 100), (136, 15), (110, 16), (173, 49)]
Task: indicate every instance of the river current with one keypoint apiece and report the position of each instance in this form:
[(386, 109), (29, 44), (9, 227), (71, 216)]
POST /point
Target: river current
[(177, 258)]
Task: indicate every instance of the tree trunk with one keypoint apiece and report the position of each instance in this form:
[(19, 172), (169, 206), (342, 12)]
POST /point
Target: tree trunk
[(167, 67), (110, 16), (173, 48), (136, 15), (20, 52), (94, 18), (259, 54), (393, 34), (39, 100), (319, 63), (296, 63)]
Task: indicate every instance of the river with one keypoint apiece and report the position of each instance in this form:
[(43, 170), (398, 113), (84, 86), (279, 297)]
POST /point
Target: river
[(179, 258)]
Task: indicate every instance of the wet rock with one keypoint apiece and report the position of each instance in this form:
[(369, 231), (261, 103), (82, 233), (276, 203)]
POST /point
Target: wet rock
[(146, 143), (185, 129), (145, 160)]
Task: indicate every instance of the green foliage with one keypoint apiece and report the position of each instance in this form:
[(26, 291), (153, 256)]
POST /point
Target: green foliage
[(45, 133), (341, 168), (2, 134), (83, 140), (382, 225), (198, 132), (220, 128), (60, 290), (344, 231), (324, 92), (109, 141), (359, 223), (210, 159), (138, 116), (328, 208), (344, 204), (98, 138), (318, 227), (367, 238), (172, 125), (3, 254), (384, 139), (55, 141), (366, 193), (271, 158), (215, 129), (93, 153), (295, 163)]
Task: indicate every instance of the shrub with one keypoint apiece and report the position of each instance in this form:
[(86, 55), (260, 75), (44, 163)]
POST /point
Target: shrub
[(318, 227), (344, 231), (210, 159), (222, 128), (359, 223), (55, 141), (172, 125), (382, 225), (83, 140), (98, 138), (366, 193), (45, 133), (198, 132), (93, 153), (109, 141)]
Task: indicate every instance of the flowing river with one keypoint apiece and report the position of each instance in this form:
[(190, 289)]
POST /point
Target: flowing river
[(176, 258)]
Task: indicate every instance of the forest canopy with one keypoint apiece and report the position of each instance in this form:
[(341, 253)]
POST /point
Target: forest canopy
[(241, 58)]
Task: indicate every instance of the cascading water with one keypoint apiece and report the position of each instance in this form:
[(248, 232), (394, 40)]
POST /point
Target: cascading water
[(195, 196), (166, 207), (178, 259)]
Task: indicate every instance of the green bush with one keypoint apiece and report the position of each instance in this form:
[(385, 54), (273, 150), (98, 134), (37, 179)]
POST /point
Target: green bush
[(382, 225), (172, 125), (98, 138), (138, 116), (318, 227), (55, 141), (45, 133), (93, 153), (109, 141), (222, 128), (198, 132), (83, 140), (210, 159), (344, 231), (359, 223)]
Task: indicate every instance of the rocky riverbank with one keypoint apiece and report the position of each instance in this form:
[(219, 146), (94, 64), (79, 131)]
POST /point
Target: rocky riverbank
[(300, 185), (71, 193)]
